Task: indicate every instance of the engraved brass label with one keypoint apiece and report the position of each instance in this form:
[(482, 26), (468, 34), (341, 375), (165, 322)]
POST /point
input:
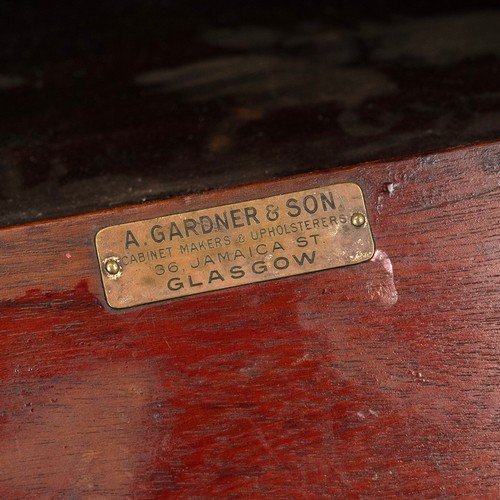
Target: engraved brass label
[(231, 245)]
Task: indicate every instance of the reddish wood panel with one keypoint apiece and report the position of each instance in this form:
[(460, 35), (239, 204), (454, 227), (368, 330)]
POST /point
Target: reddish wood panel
[(379, 379)]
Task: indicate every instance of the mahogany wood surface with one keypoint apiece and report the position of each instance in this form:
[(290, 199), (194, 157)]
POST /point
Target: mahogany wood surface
[(375, 380)]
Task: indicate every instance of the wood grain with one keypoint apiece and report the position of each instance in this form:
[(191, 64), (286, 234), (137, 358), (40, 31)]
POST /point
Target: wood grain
[(375, 380)]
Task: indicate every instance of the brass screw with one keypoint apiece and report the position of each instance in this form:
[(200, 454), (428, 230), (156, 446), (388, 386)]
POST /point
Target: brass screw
[(358, 220), (112, 267)]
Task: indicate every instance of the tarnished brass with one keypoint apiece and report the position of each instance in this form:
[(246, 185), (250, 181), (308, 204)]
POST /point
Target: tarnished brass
[(112, 267), (231, 245), (358, 220)]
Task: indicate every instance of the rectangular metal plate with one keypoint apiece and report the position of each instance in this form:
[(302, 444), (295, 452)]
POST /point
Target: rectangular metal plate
[(231, 245)]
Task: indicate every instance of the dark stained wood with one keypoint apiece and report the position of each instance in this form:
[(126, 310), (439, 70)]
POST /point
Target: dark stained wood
[(110, 103), (375, 380)]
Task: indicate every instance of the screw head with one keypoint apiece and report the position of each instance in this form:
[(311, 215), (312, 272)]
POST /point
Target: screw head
[(358, 220), (112, 267)]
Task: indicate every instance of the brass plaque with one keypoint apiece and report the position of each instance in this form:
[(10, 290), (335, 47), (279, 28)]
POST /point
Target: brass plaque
[(231, 245)]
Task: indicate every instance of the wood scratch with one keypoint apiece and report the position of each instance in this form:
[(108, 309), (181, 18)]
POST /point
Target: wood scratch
[(263, 440)]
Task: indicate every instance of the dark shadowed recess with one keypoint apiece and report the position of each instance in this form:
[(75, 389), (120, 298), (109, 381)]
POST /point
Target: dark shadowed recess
[(115, 102)]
